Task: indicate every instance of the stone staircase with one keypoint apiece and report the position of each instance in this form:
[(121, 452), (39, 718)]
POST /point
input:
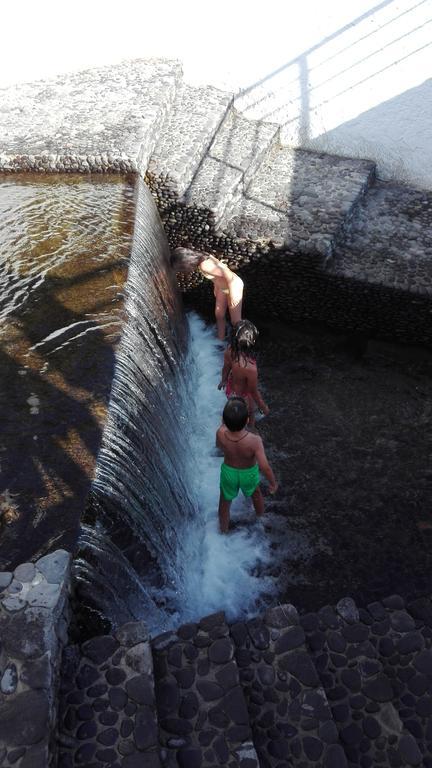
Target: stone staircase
[(287, 705), (243, 191), (201, 707), (196, 115), (314, 235), (286, 200), (341, 687)]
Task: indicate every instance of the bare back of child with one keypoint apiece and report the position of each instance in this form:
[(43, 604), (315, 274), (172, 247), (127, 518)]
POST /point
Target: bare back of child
[(240, 373), (244, 458)]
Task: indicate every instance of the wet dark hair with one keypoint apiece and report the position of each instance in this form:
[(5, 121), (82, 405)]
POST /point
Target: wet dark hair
[(235, 414), (185, 259), (244, 336)]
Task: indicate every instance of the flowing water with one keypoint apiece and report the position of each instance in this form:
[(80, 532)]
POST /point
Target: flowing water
[(178, 567), (217, 572), (150, 546)]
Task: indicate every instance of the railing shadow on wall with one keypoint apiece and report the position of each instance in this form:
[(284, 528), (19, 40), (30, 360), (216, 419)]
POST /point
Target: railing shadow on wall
[(352, 72), (288, 94), (308, 90)]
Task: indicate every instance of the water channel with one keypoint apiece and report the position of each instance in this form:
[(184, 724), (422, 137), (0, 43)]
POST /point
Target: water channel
[(89, 316)]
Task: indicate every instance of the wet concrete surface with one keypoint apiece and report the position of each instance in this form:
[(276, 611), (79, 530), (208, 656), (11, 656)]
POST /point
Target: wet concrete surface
[(64, 244), (350, 438)]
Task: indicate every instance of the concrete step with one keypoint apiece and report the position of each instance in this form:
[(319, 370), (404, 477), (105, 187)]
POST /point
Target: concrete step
[(107, 712), (235, 153), (98, 120), (289, 714), (203, 719), (184, 139), (390, 240), (299, 200), (345, 644)]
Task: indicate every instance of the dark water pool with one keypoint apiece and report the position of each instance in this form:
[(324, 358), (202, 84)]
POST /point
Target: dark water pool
[(351, 440)]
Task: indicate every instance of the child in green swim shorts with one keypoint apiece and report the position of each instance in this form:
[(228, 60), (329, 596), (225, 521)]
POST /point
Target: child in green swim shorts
[(244, 457)]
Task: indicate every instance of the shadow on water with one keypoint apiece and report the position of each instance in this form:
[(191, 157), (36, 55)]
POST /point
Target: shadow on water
[(349, 433), (48, 463), (62, 316)]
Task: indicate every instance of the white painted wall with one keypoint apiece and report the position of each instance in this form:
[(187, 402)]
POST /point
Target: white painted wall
[(348, 76)]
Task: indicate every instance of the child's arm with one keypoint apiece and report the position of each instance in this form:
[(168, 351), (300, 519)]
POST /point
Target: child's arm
[(264, 466), (252, 379), (235, 287), (218, 441), (226, 369)]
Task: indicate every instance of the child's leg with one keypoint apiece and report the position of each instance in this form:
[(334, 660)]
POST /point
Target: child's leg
[(258, 501), (252, 408), (224, 513), (220, 313)]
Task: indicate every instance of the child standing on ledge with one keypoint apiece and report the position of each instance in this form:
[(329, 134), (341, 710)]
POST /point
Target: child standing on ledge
[(239, 372), (244, 458), (227, 286)]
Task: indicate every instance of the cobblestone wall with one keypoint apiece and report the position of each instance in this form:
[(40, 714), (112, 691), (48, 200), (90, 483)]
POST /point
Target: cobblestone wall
[(308, 285), (34, 617)]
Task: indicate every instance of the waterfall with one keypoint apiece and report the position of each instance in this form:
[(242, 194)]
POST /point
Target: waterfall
[(150, 546), (139, 497)]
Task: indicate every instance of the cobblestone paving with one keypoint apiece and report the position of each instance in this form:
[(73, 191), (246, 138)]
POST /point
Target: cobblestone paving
[(34, 617), (344, 686), (231, 160), (405, 649), (347, 646), (107, 713), (203, 719), (290, 717), (287, 200)]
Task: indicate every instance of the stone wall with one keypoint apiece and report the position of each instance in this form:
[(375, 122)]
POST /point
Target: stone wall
[(96, 121), (302, 286), (34, 618)]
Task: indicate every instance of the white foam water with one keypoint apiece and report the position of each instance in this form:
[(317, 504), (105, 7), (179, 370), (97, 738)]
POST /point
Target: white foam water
[(221, 572)]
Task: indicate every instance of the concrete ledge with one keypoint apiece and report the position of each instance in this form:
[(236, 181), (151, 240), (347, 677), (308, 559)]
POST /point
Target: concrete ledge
[(98, 120)]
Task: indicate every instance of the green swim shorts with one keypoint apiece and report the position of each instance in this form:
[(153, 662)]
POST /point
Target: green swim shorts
[(233, 480)]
